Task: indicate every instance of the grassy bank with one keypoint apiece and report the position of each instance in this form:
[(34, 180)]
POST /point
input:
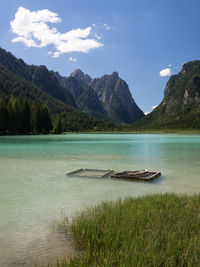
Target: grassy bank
[(158, 230)]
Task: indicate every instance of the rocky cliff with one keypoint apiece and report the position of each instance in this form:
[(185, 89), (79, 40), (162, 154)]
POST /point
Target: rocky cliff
[(180, 107), (84, 96), (115, 101), (116, 98)]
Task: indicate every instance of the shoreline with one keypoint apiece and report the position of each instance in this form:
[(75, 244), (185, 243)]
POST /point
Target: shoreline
[(108, 232), (113, 132)]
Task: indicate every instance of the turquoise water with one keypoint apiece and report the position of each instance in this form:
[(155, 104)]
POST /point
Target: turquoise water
[(35, 191)]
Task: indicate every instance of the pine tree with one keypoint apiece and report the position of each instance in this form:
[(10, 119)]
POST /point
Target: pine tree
[(34, 118), (11, 118), (3, 116), (57, 126), (46, 120), (16, 110), (26, 116)]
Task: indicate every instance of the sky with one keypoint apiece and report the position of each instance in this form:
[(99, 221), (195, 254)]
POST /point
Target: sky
[(144, 41)]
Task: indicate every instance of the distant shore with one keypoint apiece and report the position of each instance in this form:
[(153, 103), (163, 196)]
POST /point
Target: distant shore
[(144, 132), (170, 131)]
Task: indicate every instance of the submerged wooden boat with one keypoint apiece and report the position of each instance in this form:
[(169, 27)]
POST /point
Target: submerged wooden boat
[(140, 175), (95, 173)]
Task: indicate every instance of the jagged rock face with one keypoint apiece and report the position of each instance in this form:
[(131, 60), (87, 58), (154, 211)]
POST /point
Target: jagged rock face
[(70, 84), (116, 98), (183, 89), (45, 79), (107, 97), (81, 76), (84, 96), (180, 107)]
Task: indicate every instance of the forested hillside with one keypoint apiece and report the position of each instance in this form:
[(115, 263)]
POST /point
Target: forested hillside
[(13, 83), (20, 116)]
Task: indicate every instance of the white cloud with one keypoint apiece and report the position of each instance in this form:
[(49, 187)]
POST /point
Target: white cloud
[(72, 59), (32, 29), (106, 26), (170, 65), (153, 107), (147, 112), (165, 72), (97, 36)]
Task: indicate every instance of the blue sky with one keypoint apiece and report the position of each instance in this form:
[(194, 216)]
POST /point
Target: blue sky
[(138, 39)]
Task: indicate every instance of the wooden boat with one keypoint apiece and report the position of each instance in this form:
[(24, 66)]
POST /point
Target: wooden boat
[(141, 175), (95, 173)]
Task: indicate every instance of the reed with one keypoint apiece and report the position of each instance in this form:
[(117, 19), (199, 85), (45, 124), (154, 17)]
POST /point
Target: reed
[(155, 230)]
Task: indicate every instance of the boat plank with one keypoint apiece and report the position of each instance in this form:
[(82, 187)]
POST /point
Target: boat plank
[(140, 176), (95, 173)]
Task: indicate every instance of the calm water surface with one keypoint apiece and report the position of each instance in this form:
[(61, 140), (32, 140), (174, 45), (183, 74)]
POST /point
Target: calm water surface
[(35, 191)]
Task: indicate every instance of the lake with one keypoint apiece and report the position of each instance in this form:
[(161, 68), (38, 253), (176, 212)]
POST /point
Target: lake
[(35, 191)]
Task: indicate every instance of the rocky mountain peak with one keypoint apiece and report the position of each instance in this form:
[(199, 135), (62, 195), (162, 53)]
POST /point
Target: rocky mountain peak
[(107, 97), (77, 72), (115, 75), (116, 98), (81, 76)]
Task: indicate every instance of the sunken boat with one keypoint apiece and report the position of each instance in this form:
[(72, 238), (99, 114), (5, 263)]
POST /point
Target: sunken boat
[(140, 175), (94, 173)]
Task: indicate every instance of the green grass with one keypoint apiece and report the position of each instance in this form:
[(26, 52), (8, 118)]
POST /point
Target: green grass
[(157, 230)]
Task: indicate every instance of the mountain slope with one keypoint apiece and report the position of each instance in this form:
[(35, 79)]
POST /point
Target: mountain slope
[(12, 84), (38, 75), (111, 95), (81, 76), (85, 97), (180, 107), (72, 119), (116, 98)]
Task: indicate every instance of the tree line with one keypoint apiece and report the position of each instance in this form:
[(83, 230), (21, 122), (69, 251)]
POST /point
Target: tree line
[(20, 116)]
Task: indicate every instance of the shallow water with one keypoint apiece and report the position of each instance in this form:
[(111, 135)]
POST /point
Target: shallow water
[(35, 191)]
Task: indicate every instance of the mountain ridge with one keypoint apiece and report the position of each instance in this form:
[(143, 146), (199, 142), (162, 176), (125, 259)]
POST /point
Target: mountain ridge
[(38, 75), (85, 97), (180, 107), (16, 79), (114, 96), (79, 90)]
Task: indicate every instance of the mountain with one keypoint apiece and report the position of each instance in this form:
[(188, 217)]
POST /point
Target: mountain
[(85, 97), (38, 75), (37, 84), (116, 98), (180, 107), (77, 97), (12, 84), (81, 76), (107, 97)]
